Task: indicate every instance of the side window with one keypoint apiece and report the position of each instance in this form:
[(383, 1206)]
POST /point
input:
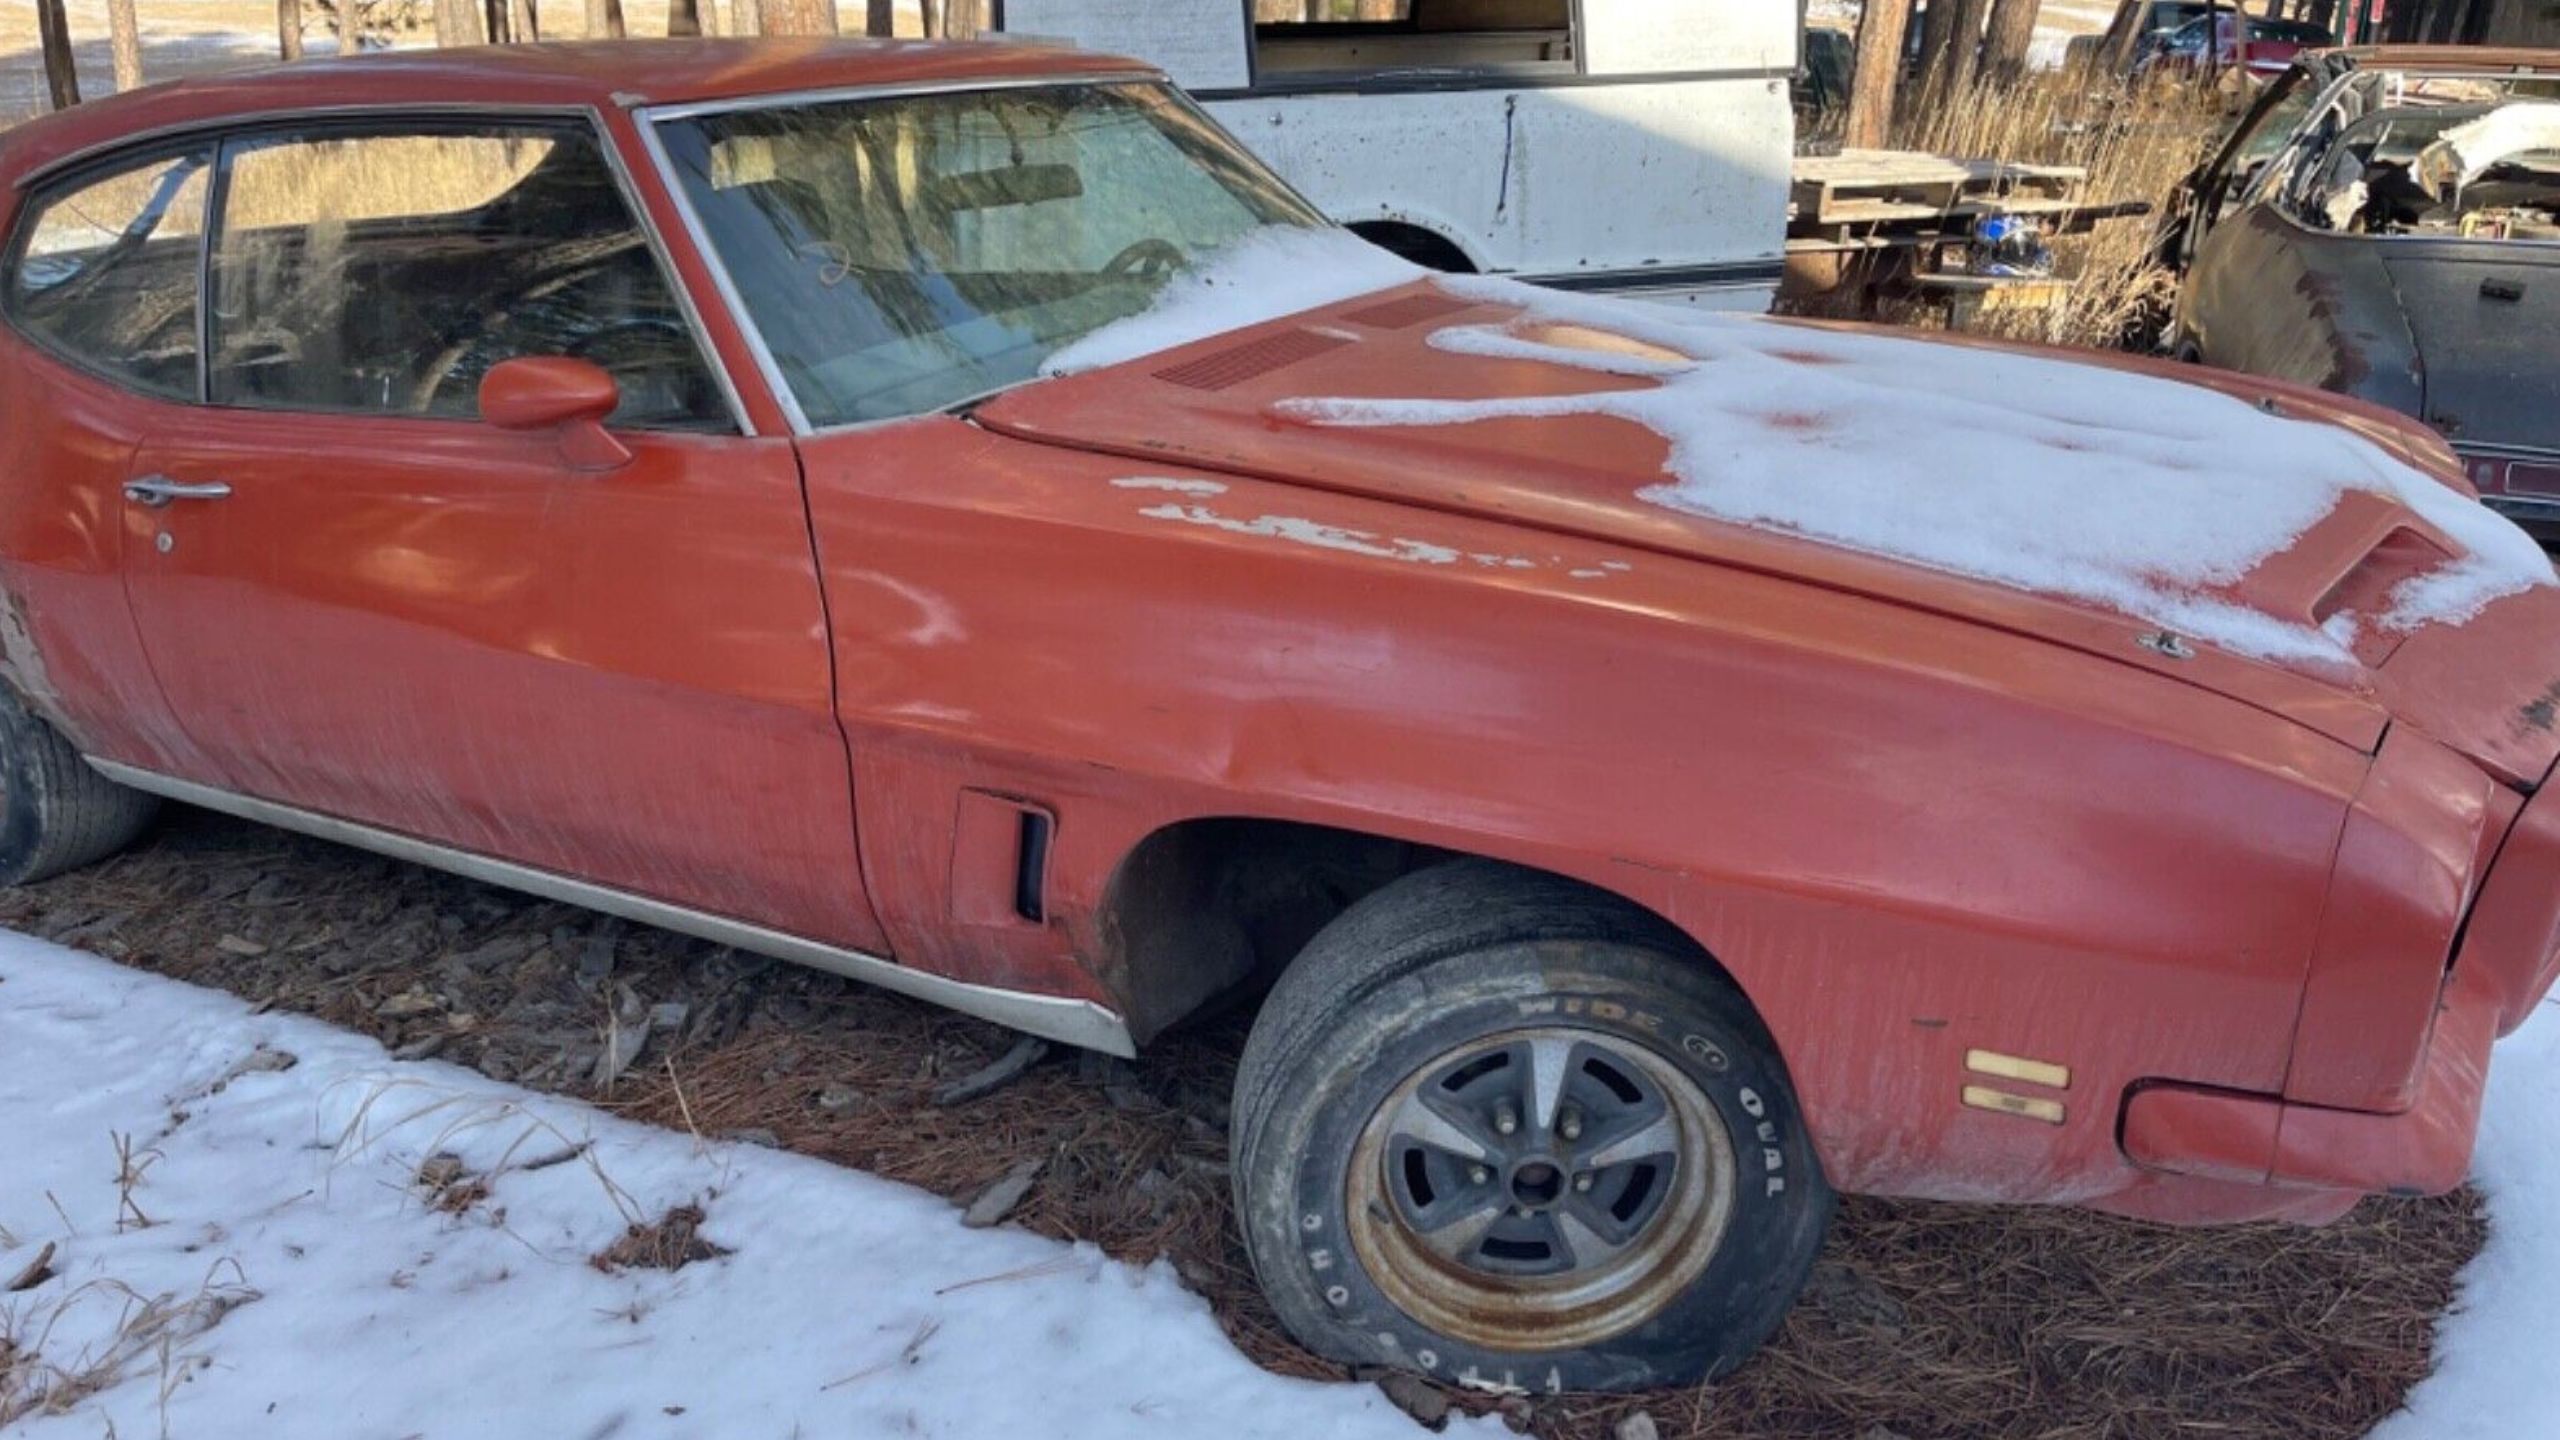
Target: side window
[(385, 272), (2271, 127), (105, 272)]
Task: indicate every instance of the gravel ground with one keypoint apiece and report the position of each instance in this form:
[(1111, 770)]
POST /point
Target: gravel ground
[(1923, 1320)]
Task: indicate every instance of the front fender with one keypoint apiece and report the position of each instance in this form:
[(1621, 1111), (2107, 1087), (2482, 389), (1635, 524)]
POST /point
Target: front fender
[(1909, 838)]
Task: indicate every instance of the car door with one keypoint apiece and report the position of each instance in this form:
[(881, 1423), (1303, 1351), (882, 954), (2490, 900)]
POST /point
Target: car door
[(99, 293), (363, 601)]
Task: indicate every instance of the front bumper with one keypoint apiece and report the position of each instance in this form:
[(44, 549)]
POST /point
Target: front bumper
[(2239, 1138), (2238, 1145)]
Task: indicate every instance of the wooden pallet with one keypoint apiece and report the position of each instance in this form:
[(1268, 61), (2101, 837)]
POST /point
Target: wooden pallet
[(1851, 187), (1855, 222)]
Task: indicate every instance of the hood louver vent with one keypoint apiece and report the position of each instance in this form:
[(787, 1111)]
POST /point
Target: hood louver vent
[(1222, 368), (1411, 310)]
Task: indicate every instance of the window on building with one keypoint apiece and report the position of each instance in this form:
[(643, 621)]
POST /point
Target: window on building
[(1383, 40)]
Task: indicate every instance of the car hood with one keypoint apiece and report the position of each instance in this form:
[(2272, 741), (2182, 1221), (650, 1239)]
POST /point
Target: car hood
[(1915, 471), (2483, 313)]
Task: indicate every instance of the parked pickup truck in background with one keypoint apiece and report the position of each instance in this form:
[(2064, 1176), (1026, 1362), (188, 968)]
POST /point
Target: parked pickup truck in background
[(1636, 147), (949, 515)]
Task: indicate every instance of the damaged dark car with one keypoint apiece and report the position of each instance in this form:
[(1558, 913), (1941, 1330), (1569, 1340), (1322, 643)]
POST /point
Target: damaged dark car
[(2385, 223)]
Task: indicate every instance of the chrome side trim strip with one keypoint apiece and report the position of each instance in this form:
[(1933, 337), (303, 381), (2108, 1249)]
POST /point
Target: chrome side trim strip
[(2485, 450), (2524, 507), (1075, 1022)]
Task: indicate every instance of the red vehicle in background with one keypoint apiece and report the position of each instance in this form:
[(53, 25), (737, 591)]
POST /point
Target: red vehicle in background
[(2252, 47)]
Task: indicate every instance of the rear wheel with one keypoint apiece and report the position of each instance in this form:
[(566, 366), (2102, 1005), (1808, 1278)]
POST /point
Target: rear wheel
[(56, 813), (1500, 1130)]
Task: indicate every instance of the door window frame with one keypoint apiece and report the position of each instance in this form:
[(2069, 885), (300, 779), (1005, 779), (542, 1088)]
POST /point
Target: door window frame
[(55, 183), (217, 137)]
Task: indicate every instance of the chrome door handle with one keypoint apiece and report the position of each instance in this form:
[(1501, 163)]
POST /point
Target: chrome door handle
[(159, 490)]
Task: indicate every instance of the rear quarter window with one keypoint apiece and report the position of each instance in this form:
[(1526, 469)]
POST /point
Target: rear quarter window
[(105, 270)]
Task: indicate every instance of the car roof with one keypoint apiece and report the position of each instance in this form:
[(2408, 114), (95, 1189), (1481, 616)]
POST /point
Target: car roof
[(551, 75)]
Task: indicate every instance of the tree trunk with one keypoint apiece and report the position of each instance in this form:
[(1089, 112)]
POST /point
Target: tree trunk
[(1948, 68), (458, 22), (62, 82), (124, 39), (797, 17), (1937, 25), (1967, 44), (524, 22), (879, 18), (929, 17), (2013, 32), (289, 29), (683, 20), (350, 28), (604, 19), (1881, 28)]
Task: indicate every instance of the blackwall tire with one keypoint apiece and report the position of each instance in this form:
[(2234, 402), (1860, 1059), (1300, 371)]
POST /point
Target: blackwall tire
[(56, 813), (1496, 1129)]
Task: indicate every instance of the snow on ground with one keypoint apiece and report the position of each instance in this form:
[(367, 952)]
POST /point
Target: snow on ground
[(2494, 1379), (2108, 487), (293, 1279)]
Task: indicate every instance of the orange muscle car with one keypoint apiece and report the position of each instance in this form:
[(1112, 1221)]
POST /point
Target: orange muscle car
[(947, 515)]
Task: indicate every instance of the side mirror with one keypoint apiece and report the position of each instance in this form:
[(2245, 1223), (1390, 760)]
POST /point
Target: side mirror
[(567, 396)]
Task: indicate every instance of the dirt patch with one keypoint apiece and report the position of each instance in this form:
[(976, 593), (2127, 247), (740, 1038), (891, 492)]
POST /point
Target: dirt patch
[(1927, 1320)]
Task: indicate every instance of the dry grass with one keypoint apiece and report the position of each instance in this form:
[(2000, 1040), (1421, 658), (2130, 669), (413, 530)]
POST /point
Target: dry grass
[(670, 1242), (149, 1335), (1932, 1320)]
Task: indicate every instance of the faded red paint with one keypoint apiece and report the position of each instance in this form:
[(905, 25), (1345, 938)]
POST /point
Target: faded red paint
[(816, 682)]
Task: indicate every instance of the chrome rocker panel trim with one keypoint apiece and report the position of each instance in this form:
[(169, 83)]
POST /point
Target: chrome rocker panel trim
[(1074, 1022)]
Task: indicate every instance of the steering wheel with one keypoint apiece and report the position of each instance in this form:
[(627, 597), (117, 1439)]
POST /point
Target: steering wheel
[(1151, 256)]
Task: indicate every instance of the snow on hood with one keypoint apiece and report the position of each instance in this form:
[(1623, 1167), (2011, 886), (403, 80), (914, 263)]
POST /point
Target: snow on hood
[(2457, 157), (1265, 274), (2139, 495)]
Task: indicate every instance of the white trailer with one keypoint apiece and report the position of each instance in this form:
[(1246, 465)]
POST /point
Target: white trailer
[(1631, 147)]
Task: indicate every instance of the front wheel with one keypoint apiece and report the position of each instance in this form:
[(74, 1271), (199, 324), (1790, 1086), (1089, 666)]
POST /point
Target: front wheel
[(1498, 1130)]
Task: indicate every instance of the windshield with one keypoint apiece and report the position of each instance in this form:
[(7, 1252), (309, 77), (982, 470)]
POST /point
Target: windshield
[(906, 253)]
